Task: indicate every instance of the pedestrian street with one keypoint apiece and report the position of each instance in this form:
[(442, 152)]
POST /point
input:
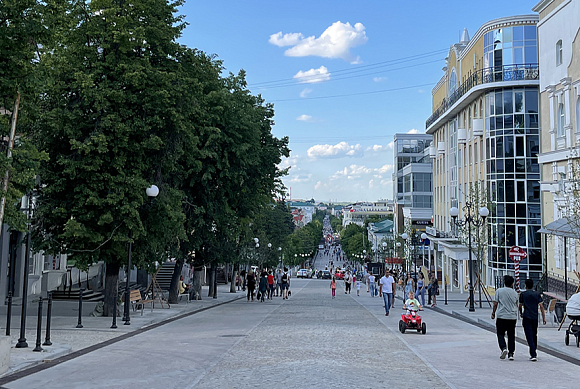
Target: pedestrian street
[(307, 341)]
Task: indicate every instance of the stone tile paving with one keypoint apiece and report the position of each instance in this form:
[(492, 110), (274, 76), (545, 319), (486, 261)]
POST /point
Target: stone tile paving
[(312, 340)]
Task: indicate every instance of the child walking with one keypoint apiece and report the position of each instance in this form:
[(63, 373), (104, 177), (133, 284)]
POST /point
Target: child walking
[(358, 287), (333, 286)]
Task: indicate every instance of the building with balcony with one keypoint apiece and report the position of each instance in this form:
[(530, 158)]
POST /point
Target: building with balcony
[(559, 46), (412, 182), (485, 127), (358, 213)]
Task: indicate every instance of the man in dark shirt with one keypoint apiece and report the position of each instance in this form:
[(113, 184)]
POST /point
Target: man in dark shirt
[(529, 301)]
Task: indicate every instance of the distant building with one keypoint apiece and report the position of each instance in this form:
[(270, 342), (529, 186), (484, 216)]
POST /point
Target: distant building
[(412, 182), (302, 212), (358, 212)]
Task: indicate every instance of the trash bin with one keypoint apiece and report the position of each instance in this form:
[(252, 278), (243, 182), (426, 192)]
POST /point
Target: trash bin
[(559, 310)]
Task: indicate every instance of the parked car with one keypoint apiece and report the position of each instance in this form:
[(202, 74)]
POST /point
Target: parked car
[(339, 275), (303, 273), (324, 274)]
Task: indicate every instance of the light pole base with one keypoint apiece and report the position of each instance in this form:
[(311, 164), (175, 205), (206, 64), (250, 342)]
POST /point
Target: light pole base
[(21, 343)]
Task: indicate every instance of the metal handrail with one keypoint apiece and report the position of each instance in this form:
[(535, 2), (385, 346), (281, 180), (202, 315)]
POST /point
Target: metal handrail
[(517, 72)]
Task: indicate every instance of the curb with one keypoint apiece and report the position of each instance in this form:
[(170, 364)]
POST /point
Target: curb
[(66, 349)]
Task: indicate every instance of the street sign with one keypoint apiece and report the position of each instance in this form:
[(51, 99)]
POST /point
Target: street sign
[(516, 254)]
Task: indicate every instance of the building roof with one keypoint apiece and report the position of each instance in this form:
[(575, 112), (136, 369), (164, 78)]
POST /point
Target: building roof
[(382, 227)]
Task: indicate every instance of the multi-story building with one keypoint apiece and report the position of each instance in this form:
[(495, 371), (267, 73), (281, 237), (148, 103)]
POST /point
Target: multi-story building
[(412, 182), (485, 129), (358, 213), (559, 46)]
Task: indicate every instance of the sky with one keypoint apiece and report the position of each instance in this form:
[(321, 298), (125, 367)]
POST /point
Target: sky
[(344, 76)]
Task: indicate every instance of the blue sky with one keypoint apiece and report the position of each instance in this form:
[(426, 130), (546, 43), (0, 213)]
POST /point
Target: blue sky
[(381, 58)]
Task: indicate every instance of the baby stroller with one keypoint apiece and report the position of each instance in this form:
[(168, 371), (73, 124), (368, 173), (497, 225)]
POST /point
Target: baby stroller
[(573, 329)]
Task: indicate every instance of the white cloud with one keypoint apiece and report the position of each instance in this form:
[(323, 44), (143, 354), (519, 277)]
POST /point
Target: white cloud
[(313, 75), (421, 91), (300, 178), (413, 131), (379, 79), (306, 118), (385, 168), (305, 92), (371, 184), (380, 148), (391, 145), (342, 149), (335, 42), (291, 162), (285, 40)]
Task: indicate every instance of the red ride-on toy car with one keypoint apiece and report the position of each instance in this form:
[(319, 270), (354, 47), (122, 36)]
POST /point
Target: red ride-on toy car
[(412, 321)]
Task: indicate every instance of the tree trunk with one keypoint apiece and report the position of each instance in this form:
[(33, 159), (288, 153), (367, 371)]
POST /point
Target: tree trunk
[(111, 287), (210, 281), (233, 282), (174, 287), (197, 280), (215, 282)]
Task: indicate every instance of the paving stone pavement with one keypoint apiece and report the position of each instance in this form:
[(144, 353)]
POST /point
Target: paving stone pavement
[(312, 340)]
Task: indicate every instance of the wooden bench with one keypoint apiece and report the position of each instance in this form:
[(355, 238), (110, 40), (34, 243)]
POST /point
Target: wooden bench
[(186, 295), (136, 300)]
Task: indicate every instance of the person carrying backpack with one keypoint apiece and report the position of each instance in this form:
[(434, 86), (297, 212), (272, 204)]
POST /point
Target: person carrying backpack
[(285, 284)]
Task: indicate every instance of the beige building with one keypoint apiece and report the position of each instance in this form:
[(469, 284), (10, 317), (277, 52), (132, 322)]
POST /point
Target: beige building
[(485, 129), (559, 46)]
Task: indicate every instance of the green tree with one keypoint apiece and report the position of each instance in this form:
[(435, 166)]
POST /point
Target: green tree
[(21, 36), (111, 122)]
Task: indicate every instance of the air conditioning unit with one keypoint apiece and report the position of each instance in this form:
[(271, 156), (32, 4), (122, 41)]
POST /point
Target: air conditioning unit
[(441, 148), (461, 135)]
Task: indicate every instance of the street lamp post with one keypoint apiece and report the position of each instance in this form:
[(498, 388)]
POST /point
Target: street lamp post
[(22, 340), (405, 237), (469, 221), (423, 238), (151, 192)]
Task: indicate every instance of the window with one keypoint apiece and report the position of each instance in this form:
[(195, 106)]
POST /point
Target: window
[(452, 82), (561, 119), (559, 53)]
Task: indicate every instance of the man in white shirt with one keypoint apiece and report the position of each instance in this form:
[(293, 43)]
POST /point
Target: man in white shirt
[(505, 302), (386, 288)]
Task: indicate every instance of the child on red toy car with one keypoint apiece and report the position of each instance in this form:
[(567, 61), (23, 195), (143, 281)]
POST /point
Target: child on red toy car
[(412, 304)]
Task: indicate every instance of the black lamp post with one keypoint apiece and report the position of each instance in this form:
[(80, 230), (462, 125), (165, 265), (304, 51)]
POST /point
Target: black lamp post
[(470, 220), (152, 192), (22, 340), (405, 237)]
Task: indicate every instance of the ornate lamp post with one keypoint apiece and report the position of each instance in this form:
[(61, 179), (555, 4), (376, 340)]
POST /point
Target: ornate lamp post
[(151, 192), (470, 220), (405, 237), (423, 238)]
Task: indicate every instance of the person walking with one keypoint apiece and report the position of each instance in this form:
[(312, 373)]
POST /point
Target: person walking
[(263, 285), (251, 284), (367, 282), (530, 300), (421, 288), (505, 302), (372, 284), (279, 283), (270, 285), (347, 282), (333, 286), (434, 289), (386, 288), (285, 284), (409, 284)]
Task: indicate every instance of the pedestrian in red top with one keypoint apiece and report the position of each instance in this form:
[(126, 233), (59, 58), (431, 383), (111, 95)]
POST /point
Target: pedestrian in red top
[(270, 285), (333, 286)]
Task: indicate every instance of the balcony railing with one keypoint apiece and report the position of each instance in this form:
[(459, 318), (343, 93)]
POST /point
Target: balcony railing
[(486, 76)]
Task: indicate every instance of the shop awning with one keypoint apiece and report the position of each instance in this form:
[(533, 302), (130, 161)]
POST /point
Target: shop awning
[(560, 227)]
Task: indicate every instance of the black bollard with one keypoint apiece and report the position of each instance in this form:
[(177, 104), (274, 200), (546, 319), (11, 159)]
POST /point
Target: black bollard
[(47, 341), (115, 309), (445, 292), (80, 323), (38, 327), (9, 313)]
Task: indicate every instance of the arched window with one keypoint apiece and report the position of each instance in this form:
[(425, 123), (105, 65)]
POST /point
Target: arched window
[(452, 82), (559, 53), (561, 119)]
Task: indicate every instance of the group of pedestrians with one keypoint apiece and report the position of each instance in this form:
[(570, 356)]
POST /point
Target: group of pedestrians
[(269, 284), (432, 288)]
